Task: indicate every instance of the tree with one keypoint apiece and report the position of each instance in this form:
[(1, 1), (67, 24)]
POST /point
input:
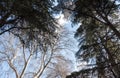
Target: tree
[(98, 35), (23, 62), (27, 19), (34, 61), (32, 23), (98, 10)]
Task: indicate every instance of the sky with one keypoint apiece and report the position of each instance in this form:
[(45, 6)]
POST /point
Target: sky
[(78, 65)]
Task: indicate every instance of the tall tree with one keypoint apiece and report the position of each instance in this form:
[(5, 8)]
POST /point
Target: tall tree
[(101, 46), (98, 35), (23, 62), (27, 18), (100, 10)]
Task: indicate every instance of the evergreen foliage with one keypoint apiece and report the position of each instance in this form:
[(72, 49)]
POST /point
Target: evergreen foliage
[(28, 19), (99, 38)]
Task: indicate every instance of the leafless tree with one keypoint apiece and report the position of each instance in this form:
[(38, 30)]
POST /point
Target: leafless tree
[(21, 61), (31, 62)]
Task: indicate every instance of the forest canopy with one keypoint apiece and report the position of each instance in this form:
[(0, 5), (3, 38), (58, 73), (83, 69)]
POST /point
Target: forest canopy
[(27, 18), (98, 34), (99, 37)]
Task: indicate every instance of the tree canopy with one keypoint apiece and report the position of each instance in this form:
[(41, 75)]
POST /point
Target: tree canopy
[(98, 34), (99, 37), (27, 19)]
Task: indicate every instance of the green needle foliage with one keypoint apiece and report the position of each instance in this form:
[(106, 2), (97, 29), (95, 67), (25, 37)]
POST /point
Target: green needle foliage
[(99, 38), (28, 20)]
